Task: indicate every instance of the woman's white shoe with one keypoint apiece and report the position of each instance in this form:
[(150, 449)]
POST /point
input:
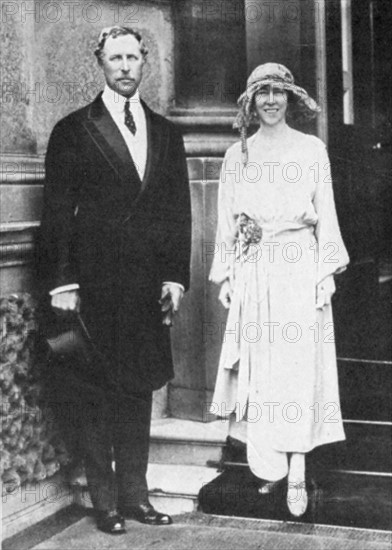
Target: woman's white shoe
[(297, 498)]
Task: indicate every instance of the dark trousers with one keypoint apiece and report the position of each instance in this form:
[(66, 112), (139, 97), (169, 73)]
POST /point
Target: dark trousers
[(118, 432), (111, 426)]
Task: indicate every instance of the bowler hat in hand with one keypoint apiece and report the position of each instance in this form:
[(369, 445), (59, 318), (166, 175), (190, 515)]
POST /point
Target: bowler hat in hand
[(68, 337)]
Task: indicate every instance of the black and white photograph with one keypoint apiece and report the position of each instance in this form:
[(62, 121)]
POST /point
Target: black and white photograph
[(196, 274)]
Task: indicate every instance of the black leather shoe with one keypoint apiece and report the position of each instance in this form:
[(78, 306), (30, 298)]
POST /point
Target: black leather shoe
[(111, 522), (146, 513)]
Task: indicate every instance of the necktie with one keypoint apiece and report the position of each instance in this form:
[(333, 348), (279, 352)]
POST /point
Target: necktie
[(128, 120)]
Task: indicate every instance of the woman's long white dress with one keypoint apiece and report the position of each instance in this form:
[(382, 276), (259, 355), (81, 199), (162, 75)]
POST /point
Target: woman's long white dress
[(278, 362)]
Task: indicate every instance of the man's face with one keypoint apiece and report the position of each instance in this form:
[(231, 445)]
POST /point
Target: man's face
[(122, 64)]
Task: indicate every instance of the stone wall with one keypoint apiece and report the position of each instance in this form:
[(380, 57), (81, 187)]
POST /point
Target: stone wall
[(48, 68)]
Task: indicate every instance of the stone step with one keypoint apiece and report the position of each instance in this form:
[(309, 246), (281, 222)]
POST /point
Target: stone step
[(181, 456), (367, 450), (179, 442), (175, 441), (175, 488)]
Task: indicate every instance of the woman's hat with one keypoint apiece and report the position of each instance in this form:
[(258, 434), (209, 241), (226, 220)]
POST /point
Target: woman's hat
[(268, 74)]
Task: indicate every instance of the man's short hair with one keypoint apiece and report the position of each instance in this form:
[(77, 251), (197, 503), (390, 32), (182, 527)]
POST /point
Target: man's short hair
[(114, 32)]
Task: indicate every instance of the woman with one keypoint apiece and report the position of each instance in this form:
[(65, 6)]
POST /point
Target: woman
[(278, 248)]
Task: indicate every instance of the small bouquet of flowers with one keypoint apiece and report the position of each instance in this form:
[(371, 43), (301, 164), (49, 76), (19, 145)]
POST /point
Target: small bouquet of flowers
[(249, 231)]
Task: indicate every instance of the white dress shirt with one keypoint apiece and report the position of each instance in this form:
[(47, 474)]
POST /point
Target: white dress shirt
[(137, 144)]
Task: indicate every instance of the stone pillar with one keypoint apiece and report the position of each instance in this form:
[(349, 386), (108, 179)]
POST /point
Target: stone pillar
[(210, 72), (196, 333), (211, 56)]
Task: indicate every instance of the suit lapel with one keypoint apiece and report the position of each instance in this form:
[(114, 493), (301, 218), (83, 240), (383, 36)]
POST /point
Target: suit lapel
[(110, 143), (155, 146)]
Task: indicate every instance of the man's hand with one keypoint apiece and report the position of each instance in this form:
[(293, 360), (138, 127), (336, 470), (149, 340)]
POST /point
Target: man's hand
[(225, 294), (66, 301), (171, 297)]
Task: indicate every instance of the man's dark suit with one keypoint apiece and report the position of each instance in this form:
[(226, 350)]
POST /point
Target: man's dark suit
[(119, 238)]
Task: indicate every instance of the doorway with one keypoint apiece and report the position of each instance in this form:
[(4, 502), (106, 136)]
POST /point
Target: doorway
[(359, 77)]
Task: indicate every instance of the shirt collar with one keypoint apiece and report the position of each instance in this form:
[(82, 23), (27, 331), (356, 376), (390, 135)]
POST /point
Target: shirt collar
[(115, 102)]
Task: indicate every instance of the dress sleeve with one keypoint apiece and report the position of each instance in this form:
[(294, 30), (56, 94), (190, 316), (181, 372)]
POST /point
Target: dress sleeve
[(226, 233), (332, 254)]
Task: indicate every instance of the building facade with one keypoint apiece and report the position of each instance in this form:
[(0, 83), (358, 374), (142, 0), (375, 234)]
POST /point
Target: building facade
[(200, 54)]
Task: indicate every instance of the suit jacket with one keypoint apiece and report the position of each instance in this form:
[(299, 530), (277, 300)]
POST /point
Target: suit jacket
[(116, 236)]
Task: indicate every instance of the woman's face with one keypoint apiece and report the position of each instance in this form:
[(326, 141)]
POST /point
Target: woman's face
[(271, 105)]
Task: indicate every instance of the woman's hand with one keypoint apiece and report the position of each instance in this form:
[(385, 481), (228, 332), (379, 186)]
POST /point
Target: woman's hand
[(324, 292), (225, 294)]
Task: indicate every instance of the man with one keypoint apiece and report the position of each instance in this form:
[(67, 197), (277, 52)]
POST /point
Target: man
[(115, 246)]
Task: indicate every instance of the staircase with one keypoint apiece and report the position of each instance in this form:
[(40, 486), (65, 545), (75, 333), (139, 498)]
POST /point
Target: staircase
[(184, 456)]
